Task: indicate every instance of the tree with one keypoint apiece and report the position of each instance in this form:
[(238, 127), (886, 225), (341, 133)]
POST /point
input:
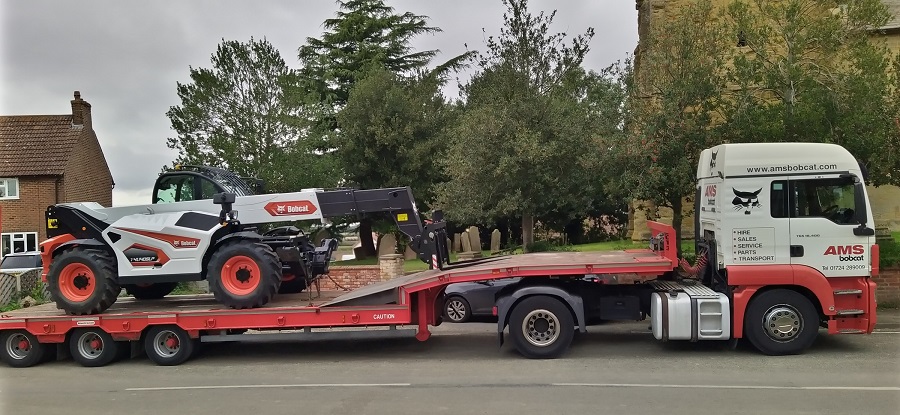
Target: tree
[(519, 148), (364, 36), (809, 70), (674, 95), (243, 114)]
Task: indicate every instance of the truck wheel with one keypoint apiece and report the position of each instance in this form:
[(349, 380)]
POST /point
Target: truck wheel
[(93, 347), (168, 345), (153, 291), (291, 284), (781, 322), (244, 274), (457, 309), (83, 281), (22, 349), (541, 327)]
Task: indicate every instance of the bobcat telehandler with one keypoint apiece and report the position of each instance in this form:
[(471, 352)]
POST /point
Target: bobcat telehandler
[(204, 224)]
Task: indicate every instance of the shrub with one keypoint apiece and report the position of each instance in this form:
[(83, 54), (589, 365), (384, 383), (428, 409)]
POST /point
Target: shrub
[(889, 253)]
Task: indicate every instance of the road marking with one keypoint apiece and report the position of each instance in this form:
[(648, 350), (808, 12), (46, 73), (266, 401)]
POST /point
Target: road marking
[(297, 385), (886, 332), (669, 386)]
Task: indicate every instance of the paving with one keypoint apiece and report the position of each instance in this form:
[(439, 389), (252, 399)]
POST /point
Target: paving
[(615, 368)]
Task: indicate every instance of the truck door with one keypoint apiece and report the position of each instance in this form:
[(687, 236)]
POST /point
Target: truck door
[(823, 217)]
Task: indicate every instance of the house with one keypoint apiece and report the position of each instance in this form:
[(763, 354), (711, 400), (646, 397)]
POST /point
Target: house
[(44, 160)]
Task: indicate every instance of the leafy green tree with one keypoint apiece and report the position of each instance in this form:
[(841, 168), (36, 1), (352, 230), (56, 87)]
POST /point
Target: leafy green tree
[(244, 114), (364, 36), (809, 70), (674, 96), (521, 146)]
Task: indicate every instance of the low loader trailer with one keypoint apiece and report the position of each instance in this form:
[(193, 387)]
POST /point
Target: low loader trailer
[(784, 252)]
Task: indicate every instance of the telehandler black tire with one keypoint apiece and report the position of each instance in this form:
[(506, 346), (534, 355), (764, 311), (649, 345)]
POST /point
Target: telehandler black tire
[(292, 286), (153, 291), (244, 274), (83, 281)]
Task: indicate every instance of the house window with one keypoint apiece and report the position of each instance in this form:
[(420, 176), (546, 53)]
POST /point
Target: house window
[(18, 242), (9, 188)]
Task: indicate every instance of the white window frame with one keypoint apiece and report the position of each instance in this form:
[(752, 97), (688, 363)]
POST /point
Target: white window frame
[(17, 237), (4, 184)]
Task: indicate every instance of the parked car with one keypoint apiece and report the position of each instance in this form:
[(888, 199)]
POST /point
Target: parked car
[(20, 262), (469, 299)]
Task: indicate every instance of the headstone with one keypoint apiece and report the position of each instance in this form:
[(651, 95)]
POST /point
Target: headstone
[(466, 242), (387, 245), (320, 236), (475, 237), (457, 243), (495, 241), (410, 254)]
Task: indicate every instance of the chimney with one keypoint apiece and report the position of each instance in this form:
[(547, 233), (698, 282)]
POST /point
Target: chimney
[(81, 111)]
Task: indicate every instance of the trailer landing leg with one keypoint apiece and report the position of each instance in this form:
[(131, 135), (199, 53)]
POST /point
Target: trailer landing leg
[(423, 316)]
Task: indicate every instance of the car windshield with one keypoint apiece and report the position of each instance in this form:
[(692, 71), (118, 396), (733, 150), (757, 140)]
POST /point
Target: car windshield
[(20, 261)]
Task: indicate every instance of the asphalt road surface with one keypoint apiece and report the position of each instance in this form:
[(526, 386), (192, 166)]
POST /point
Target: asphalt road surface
[(618, 369)]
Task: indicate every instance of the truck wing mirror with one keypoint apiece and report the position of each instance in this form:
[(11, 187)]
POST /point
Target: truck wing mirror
[(859, 199)]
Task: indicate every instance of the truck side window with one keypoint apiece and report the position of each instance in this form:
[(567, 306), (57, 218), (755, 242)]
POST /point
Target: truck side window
[(779, 199), (823, 198)]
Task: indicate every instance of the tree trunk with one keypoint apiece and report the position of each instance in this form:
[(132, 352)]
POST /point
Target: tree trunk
[(365, 237), (677, 216), (527, 231)]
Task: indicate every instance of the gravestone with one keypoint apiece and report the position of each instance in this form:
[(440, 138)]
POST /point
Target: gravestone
[(495, 241), (387, 245), (457, 243), (466, 242), (410, 254), (475, 235)]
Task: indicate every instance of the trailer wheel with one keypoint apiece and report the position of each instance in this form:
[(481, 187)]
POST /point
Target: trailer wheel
[(83, 281), (22, 349), (93, 347), (291, 284), (541, 327), (244, 274), (169, 345), (457, 309), (153, 291), (781, 322)]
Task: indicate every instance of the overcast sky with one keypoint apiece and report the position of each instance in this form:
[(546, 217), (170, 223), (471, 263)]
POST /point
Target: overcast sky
[(125, 56)]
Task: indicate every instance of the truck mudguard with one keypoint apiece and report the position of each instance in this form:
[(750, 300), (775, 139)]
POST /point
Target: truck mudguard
[(505, 304)]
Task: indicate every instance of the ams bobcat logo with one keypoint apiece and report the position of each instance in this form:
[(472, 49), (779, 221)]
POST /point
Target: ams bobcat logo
[(847, 252)]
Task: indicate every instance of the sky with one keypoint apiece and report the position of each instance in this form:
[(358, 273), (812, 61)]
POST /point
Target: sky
[(126, 56)]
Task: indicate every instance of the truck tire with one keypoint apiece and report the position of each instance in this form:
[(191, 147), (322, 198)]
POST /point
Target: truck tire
[(781, 322), (542, 327), (93, 347), (152, 291), (244, 274), (22, 349), (83, 281), (169, 345), (291, 284)]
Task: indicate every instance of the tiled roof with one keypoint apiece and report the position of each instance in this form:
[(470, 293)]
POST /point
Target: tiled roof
[(35, 145)]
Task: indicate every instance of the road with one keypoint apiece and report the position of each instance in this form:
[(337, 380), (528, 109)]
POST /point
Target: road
[(613, 369)]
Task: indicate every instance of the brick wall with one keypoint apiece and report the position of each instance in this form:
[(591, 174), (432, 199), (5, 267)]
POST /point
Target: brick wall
[(26, 214), (888, 286), (87, 177), (350, 277)]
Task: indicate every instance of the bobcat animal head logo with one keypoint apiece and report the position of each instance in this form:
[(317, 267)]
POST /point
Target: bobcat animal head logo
[(712, 160), (745, 200)]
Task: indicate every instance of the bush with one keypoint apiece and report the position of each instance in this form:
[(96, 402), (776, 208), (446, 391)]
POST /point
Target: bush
[(889, 253), (548, 246)]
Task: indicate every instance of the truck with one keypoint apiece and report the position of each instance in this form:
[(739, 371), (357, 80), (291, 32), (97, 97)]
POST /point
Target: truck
[(784, 245)]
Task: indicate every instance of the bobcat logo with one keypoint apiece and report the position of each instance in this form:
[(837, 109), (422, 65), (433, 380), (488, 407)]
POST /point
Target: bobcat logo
[(280, 209), (745, 200), (712, 160)]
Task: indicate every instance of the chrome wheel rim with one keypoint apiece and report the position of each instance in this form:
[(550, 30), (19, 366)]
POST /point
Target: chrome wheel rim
[(166, 344), (90, 345), (456, 310), (782, 323), (18, 346), (540, 327)]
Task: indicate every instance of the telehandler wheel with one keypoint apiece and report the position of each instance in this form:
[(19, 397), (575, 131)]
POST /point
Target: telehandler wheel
[(541, 327), (153, 291), (291, 284), (83, 281), (244, 274)]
